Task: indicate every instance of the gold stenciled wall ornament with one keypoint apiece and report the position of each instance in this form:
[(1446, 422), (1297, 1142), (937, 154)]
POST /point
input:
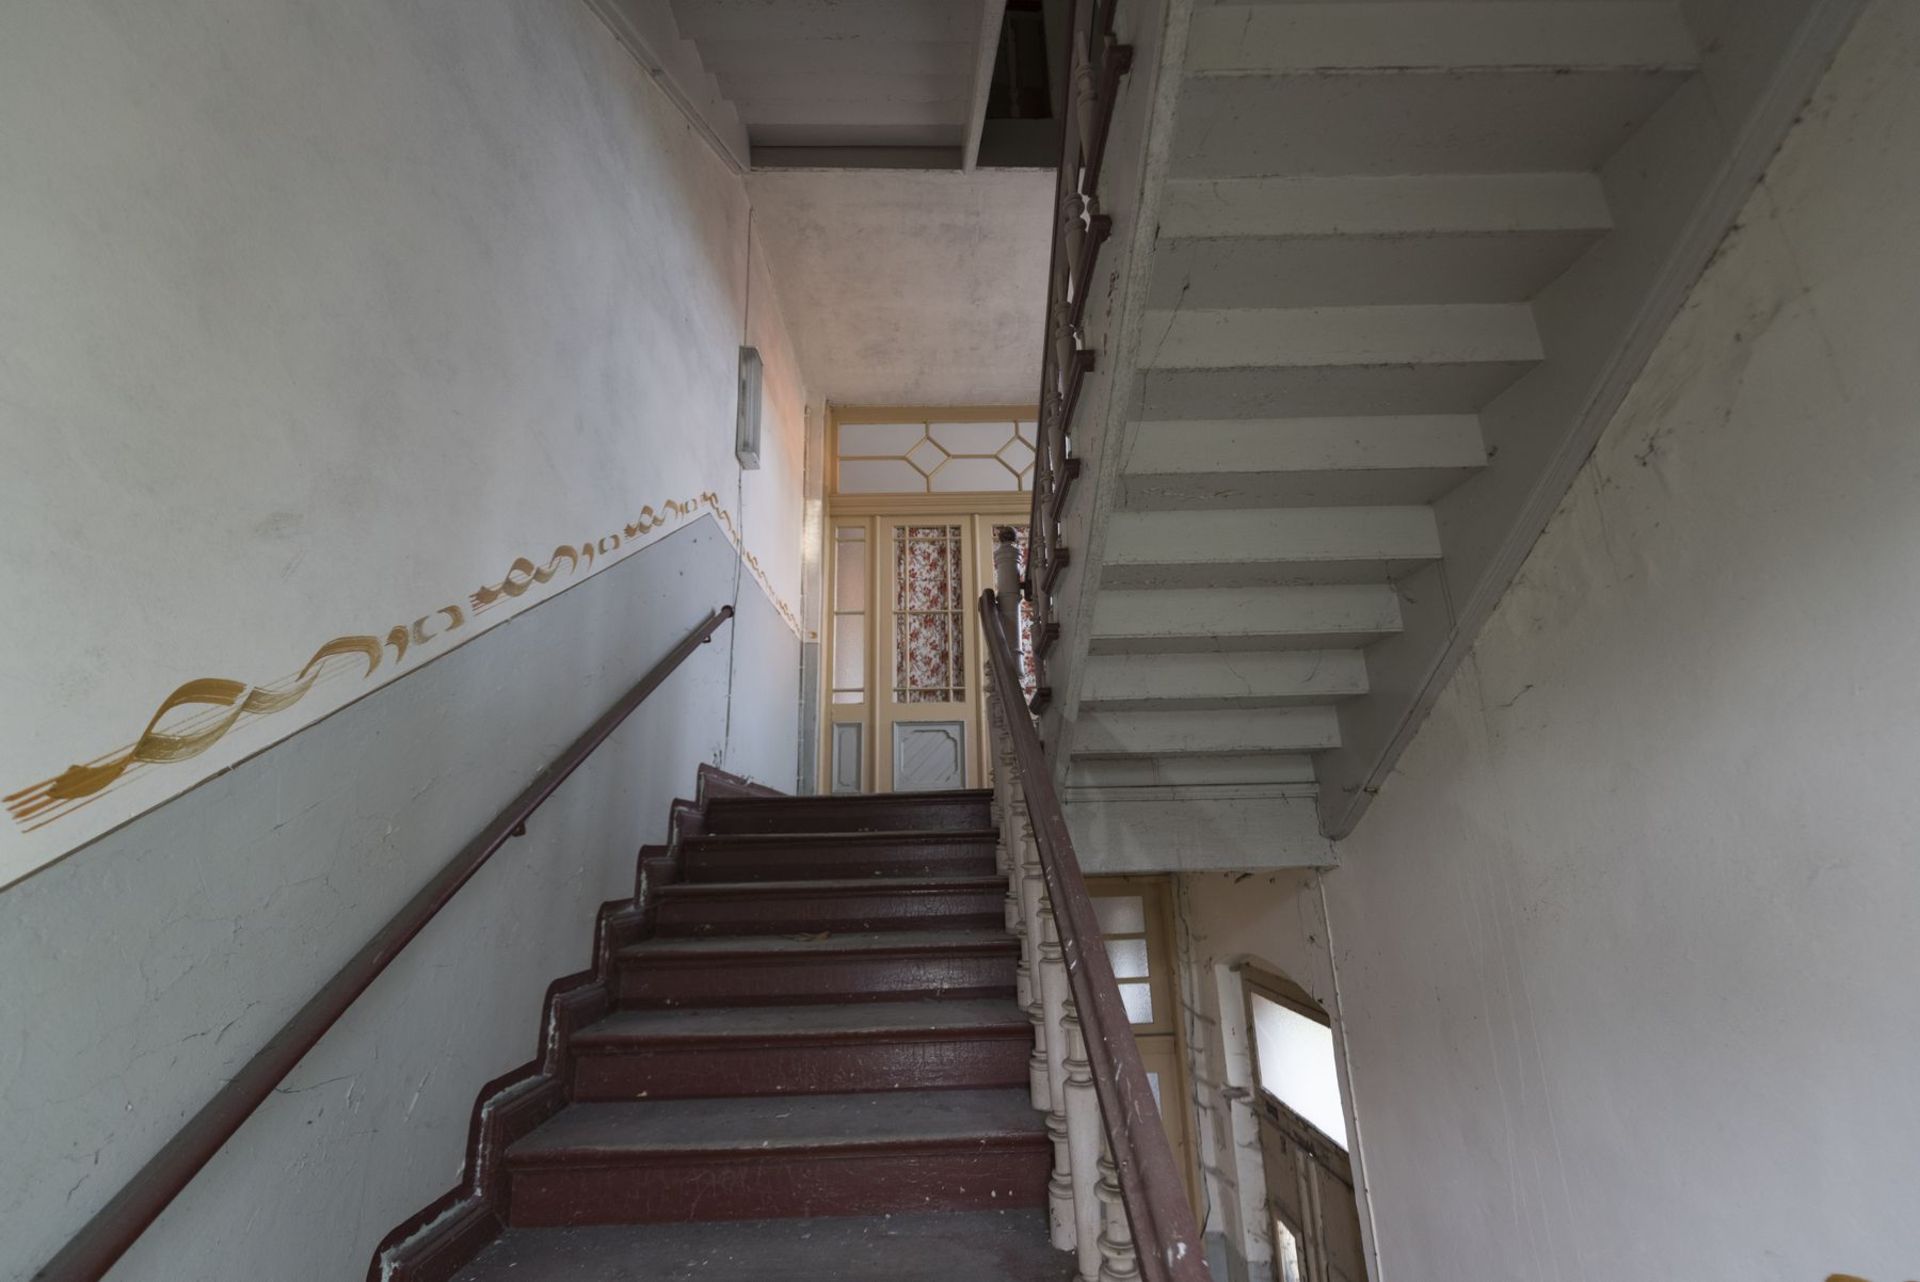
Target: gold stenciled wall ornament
[(220, 702)]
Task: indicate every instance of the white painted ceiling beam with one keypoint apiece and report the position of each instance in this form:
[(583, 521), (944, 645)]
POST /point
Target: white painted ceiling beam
[(1554, 120), (746, 61), (992, 14), (1305, 462), (867, 21), (1333, 336), (1431, 36), (1253, 546), (1199, 682), (1196, 620), (1160, 734), (1229, 769), (1383, 205)]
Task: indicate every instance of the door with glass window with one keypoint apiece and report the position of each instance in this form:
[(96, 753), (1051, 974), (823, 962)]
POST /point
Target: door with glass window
[(925, 722), (1136, 922), (1303, 1135), (904, 704)]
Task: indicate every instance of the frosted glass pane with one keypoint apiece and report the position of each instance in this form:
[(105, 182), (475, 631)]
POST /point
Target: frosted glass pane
[(850, 573), (880, 476), (1296, 1065), (1153, 1084), (1129, 958), (1138, 999), (971, 438), (879, 438), (1019, 456), (1121, 915), (849, 651), (849, 696), (965, 475)]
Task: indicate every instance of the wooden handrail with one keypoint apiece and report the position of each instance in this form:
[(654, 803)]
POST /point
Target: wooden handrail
[(1164, 1232), (119, 1224)]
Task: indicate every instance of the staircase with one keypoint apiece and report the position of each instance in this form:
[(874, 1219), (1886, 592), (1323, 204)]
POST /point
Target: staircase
[(809, 1064), (1375, 270)]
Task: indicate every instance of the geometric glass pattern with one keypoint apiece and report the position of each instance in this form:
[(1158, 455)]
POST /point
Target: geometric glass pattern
[(929, 662), (934, 458)]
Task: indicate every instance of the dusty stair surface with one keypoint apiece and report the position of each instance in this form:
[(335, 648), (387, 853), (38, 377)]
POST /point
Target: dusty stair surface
[(813, 1068)]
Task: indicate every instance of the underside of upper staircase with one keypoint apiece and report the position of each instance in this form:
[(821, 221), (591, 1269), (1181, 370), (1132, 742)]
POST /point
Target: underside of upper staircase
[(1378, 275)]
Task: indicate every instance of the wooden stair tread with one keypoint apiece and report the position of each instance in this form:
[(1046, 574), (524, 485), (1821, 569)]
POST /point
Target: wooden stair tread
[(601, 1132), (804, 1022), (870, 941), (829, 885), (850, 837), (977, 1246)]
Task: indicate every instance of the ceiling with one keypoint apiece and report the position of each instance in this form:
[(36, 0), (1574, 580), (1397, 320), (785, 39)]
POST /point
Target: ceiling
[(813, 74), (911, 288)]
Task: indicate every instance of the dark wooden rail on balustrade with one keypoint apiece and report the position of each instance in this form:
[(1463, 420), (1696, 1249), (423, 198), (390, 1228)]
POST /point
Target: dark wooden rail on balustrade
[(1164, 1232), (119, 1224), (1096, 63)]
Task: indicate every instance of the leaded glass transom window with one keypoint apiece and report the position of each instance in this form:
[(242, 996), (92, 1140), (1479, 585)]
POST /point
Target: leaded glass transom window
[(929, 663), (934, 458)]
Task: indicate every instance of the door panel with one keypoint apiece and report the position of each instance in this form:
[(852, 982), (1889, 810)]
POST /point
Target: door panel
[(929, 756), (925, 652)]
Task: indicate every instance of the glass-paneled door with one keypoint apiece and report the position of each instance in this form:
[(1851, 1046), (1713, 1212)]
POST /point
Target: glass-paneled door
[(904, 711), (926, 727)]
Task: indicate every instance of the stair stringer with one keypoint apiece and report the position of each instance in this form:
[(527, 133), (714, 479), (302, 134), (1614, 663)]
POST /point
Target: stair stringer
[(434, 1244)]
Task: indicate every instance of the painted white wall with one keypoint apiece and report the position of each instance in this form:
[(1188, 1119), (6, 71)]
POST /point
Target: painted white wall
[(139, 974), (1627, 946), (316, 317)]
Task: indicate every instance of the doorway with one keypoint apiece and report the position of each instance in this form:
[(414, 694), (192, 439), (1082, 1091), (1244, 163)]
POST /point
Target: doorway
[(1302, 1121), (907, 557)]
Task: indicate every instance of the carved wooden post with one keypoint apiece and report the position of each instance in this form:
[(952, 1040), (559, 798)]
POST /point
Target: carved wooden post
[(1083, 1146), (1118, 1261), (1053, 999)]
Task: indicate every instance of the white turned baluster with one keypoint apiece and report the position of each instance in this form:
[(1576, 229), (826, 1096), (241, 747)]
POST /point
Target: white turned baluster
[(1053, 1001), (1083, 1145), (1086, 98), (1032, 898), (1118, 1260)]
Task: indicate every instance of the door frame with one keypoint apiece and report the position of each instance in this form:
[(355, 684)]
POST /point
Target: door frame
[(978, 514), (1297, 1156)]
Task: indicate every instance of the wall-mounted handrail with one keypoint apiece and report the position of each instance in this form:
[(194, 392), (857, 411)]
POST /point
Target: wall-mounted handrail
[(1096, 62), (119, 1224), (1164, 1232)]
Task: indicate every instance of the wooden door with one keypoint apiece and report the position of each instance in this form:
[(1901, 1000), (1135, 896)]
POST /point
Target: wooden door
[(926, 709), (1136, 921), (1310, 1192)]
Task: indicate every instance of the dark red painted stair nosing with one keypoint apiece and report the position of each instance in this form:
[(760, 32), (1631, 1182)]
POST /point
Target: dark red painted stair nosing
[(643, 1043), (628, 1155)]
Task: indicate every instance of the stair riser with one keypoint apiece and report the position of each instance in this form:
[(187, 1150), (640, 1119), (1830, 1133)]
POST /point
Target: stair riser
[(706, 1071), (958, 859), (766, 1185), (656, 982), (923, 815), (809, 914)]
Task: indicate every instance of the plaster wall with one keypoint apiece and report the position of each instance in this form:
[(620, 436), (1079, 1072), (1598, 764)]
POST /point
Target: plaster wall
[(141, 972), (317, 319), (1626, 946)]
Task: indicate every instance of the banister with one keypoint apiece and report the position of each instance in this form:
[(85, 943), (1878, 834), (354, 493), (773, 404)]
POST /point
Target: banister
[(1164, 1232), (103, 1239), (1096, 61)]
